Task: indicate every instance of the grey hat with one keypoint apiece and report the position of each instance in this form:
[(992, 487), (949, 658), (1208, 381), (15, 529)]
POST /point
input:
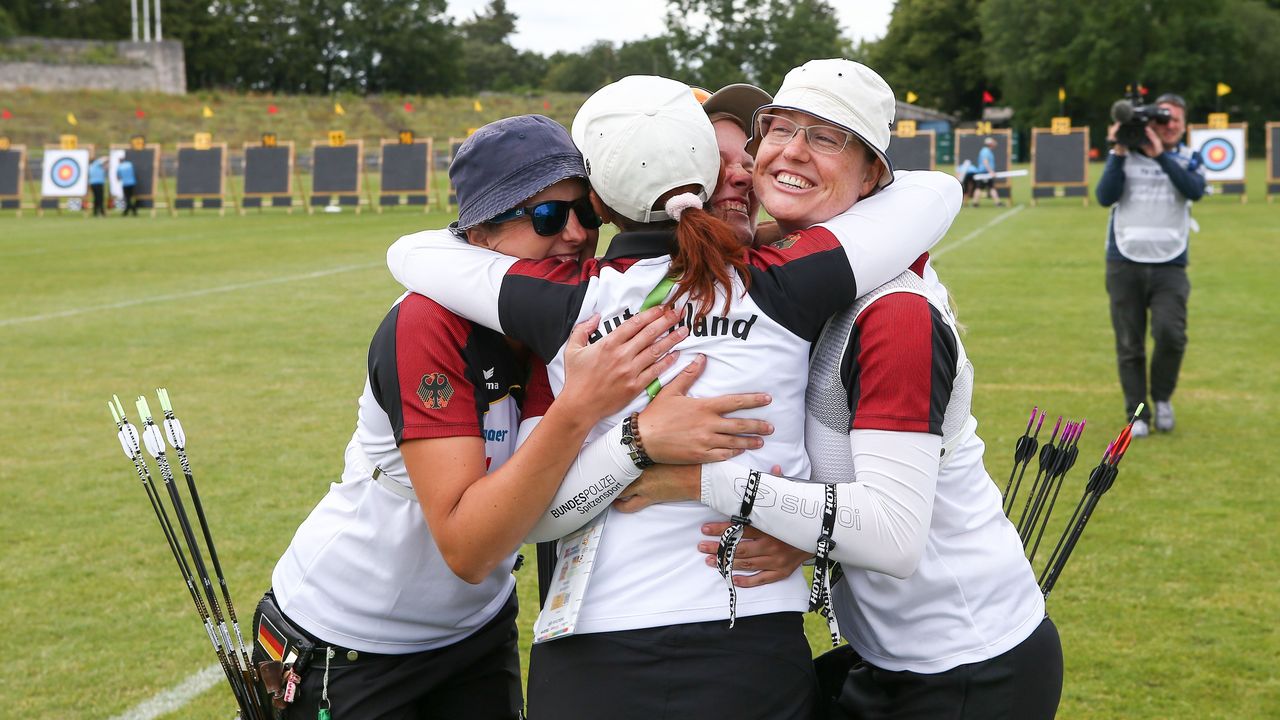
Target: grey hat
[(509, 161), (739, 100)]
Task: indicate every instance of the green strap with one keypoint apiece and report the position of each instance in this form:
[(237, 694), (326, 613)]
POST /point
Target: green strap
[(655, 296)]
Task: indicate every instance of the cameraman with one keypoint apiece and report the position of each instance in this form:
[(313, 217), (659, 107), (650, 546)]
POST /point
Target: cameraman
[(1150, 190)]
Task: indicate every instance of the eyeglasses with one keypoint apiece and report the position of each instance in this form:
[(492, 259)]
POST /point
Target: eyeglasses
[(778, 130), (550, 216)]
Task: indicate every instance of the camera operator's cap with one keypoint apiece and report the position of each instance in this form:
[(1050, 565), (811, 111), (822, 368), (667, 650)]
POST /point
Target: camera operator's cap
[(844, 93), (642, 137), (509, 161), (739, 100)]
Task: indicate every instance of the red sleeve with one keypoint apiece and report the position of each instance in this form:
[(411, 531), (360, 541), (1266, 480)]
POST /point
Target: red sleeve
[(537, 396), (437, 396), (903, 368)]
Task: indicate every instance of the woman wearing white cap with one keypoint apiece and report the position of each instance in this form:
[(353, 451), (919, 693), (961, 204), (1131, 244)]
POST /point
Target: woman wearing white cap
[(937, 597), (648, 637)]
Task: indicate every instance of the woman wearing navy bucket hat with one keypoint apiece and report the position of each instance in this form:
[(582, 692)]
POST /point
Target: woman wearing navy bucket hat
[(936, 596), (649, 631), (395, 598)]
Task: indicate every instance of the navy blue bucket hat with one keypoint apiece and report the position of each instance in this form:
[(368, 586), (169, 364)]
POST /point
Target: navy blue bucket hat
[(509, 161)]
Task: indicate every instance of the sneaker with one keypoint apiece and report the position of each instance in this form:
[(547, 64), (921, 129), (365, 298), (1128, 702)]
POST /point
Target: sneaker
[(1164, 416), (1140, 429)]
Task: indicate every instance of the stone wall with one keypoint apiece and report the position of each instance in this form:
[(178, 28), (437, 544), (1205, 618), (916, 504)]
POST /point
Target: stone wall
[(61, 65)]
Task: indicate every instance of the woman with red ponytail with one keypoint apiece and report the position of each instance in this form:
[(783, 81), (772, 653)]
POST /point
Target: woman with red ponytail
[(636, 625)]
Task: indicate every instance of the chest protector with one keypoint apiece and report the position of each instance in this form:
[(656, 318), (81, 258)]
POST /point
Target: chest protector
[(1152, 219), (827, 418)]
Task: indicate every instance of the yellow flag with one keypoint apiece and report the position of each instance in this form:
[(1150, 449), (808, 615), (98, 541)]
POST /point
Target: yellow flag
[(478, 107), (1223, 89), (912, 97), (1062, 94), (71, 119), (337, 109), (207, 112)]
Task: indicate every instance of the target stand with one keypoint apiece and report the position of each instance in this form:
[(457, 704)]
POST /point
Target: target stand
[(1273, 161), (1222, 147), (64, 175), (13, 170)]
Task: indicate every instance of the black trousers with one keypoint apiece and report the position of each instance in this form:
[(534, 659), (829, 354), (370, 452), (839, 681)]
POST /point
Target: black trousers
[(1024, 683), (98, 207), (1136, 290), (130, 205), (759, 670), (478, 677)]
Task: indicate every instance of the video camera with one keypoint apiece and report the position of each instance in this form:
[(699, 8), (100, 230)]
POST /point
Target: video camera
[(1134, 117)]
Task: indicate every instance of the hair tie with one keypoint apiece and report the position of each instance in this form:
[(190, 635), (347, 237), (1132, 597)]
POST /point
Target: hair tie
[(677, 204)]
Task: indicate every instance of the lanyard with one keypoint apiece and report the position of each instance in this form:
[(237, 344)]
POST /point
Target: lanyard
[(655, 296)]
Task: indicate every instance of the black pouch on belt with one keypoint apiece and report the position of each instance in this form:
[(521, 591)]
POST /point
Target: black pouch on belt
[(281, 652)]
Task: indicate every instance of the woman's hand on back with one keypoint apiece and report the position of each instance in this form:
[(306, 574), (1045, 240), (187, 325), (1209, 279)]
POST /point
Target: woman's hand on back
[(682, 430), (602, 377)]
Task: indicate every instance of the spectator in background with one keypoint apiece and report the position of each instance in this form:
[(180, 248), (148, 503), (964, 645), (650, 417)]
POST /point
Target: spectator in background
[(97, 178), (986, 165), (128, 182), (1150, 194)]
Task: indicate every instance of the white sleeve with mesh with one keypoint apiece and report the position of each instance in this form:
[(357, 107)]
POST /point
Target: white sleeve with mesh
[(882, 518), (882, 234), (463, 278)]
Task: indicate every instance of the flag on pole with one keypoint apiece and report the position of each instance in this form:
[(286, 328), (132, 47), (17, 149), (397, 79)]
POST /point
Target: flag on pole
[(1223, 89), (5, 114), (71, 119), (408, 106), (478, 107), (1062, 94), (138, 113), (207, 112), (912, 97), (272, 109), (337, 109), (987, 97)]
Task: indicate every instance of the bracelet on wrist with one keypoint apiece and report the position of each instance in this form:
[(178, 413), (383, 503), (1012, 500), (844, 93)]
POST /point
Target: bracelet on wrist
[(631, 440)]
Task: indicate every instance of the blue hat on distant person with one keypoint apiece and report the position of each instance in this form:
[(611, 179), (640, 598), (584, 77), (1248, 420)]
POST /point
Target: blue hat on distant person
[(509, 161)]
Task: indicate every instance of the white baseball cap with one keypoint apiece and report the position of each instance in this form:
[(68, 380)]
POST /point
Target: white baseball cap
[(843, 93), (642, 137)]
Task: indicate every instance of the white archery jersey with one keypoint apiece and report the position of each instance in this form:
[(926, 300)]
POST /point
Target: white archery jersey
[(648, 571), (973, 595)]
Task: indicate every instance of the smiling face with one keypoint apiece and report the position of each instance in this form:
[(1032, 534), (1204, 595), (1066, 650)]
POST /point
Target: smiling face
[(1170, 133), (517, 238), (800, 187), (735, 201)]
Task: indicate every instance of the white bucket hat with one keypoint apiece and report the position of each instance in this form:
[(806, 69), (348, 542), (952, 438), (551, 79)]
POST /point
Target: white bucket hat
[(844, 93), (642, 137)]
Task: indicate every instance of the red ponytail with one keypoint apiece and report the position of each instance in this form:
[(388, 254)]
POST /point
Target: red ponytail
[(707, 249)]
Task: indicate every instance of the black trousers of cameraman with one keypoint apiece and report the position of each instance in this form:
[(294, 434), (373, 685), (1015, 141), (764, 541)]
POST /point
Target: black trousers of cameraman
[(1136, 290)]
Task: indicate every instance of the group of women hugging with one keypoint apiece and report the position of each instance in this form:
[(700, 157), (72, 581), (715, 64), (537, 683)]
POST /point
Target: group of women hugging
[(681, 422)]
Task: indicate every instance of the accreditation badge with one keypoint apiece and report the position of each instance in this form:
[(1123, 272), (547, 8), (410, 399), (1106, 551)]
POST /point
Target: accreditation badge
[(574, 558)]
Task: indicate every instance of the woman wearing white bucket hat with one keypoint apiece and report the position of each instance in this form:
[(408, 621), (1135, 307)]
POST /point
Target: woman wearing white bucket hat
[(647, 637), (937, 597)]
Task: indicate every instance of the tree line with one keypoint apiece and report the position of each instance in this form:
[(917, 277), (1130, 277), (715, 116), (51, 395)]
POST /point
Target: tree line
[(951, 54)]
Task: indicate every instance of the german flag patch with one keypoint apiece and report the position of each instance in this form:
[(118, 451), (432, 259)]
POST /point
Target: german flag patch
[(270, 639)]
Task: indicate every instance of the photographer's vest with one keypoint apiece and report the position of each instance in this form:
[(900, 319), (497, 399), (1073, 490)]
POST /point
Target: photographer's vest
[(1152, 219)]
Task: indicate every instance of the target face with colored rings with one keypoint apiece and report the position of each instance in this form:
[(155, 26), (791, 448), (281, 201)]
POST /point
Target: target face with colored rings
[(65, 172), (1218, 154)]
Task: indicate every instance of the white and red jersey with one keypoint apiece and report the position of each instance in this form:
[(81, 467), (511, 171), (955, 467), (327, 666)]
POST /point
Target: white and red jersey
[(648, 571), (362, 570), (894, 362)]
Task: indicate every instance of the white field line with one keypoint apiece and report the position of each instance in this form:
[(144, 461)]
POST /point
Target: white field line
[(175, 697), (990, 224), (184, 295)]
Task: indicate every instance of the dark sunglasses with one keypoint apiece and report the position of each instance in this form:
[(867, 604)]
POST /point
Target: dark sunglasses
[(550, 216)]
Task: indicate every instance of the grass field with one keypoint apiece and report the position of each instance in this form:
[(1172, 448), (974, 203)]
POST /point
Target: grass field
[(258, 326)]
